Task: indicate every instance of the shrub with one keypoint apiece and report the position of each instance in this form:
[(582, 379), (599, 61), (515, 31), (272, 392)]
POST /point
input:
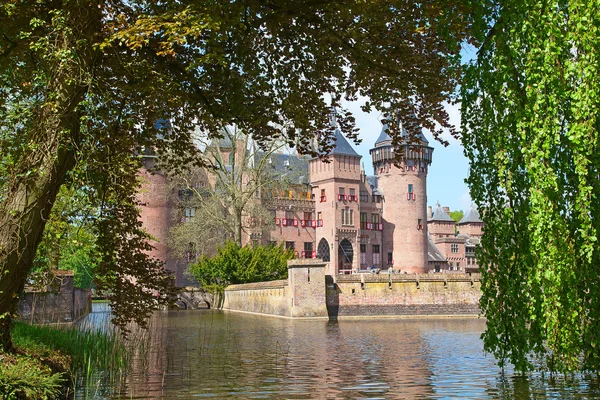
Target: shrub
[(23, 377), (234, 264)]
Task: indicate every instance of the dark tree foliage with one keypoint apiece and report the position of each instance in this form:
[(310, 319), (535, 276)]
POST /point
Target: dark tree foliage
[(83, 83)]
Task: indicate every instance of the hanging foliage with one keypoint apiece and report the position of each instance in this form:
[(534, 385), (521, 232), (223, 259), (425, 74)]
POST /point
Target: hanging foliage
[(530, 109)]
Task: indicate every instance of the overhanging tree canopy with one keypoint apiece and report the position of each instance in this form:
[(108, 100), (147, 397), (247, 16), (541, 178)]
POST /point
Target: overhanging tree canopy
[(84, 81)]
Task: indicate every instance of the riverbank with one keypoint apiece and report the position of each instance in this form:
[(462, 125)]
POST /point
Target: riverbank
[(48, 362)]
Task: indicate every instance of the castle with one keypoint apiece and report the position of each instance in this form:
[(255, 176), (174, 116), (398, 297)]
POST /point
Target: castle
[(337, 213)]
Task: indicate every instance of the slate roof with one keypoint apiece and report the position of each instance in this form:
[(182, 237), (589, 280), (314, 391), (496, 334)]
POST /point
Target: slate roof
[(439, 214), (374, 183), (290, 166), (433, 254), (342, 146), (471, 216), (385, 140)]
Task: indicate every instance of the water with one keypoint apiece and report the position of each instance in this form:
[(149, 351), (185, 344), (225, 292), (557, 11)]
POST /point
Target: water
[(196, 354)]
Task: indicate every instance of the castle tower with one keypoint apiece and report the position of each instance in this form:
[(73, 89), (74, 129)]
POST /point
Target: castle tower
[(336, 190), (404, 189), (471, 224)]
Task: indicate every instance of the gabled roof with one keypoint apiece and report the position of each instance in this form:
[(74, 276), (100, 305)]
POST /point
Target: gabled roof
[(342, 147), (472, 216), (440, 215), (433, 254)]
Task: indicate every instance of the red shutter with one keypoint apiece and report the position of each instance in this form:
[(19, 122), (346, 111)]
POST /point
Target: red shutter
[(302, 223), (408, 196), (369, 226), (380, 227), (320, 222), (414, 197), (277, 221), (284, 222), (314, 254), (295, 222)]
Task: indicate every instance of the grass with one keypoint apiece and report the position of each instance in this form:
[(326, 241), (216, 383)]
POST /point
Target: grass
[(49, 360)]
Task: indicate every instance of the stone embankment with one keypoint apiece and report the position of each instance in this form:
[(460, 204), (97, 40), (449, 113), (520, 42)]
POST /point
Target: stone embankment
[(309, 293)]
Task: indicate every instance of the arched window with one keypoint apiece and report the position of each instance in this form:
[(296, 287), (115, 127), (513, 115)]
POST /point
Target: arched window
[(323, 250)]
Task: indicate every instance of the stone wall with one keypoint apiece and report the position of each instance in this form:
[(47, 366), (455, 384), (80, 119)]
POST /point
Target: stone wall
[(309, 293), (60, 302), (261, 297), (403, 295)]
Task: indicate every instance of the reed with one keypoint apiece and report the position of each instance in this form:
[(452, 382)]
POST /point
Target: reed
[(99, 358)]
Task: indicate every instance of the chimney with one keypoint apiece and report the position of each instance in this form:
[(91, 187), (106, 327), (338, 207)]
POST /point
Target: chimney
[(429, 212), (447, 210)]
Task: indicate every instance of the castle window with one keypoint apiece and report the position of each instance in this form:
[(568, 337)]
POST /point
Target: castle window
[(363, 221), (347, 217), (454, 247), (363, 256), (375, 218), (376, 255), (290, 245), (364, 196), (189, 214), (410, 188)]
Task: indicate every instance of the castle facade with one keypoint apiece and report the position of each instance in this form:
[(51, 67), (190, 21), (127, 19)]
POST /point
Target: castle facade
[(352, 221)]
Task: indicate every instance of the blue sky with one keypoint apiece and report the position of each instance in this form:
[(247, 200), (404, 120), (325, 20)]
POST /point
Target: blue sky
[(445, 181)]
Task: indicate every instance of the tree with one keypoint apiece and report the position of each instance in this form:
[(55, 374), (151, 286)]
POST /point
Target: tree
[(69, 242), (229, 197), (531, 131), (234, 264), (83, 83), (457, 215)]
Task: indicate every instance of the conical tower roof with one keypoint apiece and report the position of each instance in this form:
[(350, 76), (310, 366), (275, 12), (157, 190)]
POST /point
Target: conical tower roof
[(384, 138), (342, 147), (472, 216), (440, 215)]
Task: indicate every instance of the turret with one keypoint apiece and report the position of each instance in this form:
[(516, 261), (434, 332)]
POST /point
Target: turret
[(336, 190), (403, 182)]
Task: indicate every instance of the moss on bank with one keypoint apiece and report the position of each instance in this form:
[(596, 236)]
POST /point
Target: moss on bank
[(48, 361)]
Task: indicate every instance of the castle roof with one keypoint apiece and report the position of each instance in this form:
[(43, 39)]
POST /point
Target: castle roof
[(384, 138), (373, 181), (342, 147), (433, 254), (471, 216), (286, 166), (439, 215)]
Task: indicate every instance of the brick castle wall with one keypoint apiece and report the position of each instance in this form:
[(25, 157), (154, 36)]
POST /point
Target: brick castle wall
[(404, 295)]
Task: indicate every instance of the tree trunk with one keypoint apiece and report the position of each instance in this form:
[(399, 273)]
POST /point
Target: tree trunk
[(22, 220), (29, 197)]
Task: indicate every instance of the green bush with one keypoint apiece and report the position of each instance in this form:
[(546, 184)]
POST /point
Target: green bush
[(234, 264), (24, 378)]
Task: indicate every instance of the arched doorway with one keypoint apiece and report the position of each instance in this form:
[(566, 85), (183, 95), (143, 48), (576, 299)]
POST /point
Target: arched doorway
[(323, 250), (345, 255)]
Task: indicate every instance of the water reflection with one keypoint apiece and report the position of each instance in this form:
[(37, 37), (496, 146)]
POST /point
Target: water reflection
[(215, 354)]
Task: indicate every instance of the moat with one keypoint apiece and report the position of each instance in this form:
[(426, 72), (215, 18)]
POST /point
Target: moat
[(217, 354)]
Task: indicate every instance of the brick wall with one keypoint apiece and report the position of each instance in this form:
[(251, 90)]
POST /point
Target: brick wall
[(59, 303), (403, 295)]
